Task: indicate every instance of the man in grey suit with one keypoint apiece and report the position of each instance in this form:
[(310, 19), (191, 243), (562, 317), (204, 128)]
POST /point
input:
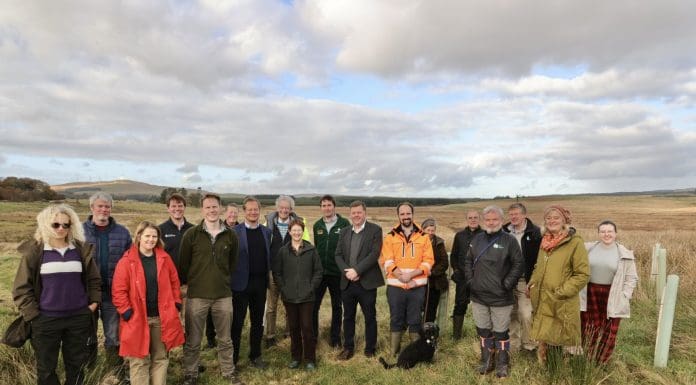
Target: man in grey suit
[(357, 256)]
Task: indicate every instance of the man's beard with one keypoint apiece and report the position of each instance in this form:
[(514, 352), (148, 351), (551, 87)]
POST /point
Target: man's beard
[(494, 230), (406, 223)]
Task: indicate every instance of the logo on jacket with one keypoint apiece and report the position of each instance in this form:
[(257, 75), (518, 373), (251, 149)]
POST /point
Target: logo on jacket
[(497, 246), (320, 232)]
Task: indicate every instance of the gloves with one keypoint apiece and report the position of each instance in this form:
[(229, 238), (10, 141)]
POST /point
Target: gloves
[(127, 314), (178, 306)]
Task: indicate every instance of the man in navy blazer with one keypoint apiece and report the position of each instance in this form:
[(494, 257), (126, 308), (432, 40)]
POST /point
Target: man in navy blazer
[(357, 256), (250, 280)]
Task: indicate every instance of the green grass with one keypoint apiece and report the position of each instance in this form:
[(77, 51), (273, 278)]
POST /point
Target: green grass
[(455, 362)]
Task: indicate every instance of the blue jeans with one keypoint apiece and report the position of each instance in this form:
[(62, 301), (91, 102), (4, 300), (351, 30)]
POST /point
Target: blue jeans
[(109, 317)]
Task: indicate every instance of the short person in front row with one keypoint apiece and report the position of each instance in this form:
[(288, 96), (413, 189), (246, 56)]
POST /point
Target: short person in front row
[(146, 295), (297, 272)]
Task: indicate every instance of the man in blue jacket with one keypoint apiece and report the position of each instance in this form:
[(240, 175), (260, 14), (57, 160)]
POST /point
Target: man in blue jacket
[(250, 280), (110, 241)]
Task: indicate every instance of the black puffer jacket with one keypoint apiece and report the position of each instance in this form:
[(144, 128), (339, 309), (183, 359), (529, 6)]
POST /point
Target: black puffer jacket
[(494, 275)]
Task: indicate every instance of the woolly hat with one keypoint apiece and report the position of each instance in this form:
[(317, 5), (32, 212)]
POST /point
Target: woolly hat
[(564, 212), (428, 222)]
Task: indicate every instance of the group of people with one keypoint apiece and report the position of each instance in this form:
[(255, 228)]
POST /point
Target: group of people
[(540, 289), (532, 288)]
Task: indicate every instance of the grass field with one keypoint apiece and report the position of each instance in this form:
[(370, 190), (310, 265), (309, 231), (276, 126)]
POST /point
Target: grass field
[(642, 221)]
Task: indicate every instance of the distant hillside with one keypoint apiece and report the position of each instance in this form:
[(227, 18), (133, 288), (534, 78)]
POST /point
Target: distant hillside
[(134, 190), (120, 189)]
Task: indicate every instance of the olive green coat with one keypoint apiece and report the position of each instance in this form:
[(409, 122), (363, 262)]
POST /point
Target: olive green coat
[(554, 289)]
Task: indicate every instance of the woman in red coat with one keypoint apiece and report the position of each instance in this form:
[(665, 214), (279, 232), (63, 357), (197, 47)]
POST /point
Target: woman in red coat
[(146, 294)]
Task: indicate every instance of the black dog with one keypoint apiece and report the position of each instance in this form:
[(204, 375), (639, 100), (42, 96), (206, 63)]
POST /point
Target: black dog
[(421, 350)]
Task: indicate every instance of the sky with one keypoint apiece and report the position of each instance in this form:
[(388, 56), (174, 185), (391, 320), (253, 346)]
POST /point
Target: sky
[(365, 97)]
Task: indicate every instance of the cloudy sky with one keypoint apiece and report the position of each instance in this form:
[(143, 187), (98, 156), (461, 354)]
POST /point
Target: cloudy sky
[(393, 97)]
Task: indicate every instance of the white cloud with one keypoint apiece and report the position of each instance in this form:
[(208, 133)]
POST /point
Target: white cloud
[(401, 37)]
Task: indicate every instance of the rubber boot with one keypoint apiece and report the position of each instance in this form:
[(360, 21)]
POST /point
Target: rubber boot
[(414, 336), (396, 343), (486, 364), (457, 322), (502, 359)]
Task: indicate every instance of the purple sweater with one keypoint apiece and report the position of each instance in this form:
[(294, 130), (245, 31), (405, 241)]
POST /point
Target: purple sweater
[(63, 294)]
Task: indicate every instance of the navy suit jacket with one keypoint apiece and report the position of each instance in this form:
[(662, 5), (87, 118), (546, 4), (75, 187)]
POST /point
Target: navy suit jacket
[(240, 277)]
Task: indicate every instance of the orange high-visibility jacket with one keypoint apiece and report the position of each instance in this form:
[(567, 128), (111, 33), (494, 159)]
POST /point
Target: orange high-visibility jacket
[(407, 255)]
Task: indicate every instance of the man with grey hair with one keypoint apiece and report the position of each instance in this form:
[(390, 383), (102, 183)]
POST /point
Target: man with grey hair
[(110, 241), (278, 222), (492, 267), (528, 236)]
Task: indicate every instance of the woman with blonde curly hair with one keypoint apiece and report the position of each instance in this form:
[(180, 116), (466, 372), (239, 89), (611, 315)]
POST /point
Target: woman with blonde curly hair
[(57, 288)]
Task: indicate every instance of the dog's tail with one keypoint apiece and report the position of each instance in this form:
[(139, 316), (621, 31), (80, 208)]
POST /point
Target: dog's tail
[(385, 364)]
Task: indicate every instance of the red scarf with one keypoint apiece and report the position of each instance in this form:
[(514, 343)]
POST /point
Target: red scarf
[(550, 241)]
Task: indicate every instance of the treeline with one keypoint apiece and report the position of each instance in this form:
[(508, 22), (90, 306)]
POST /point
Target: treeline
[(26, 190), (345, 200)]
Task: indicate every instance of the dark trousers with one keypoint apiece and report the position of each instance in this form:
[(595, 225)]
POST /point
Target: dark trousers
[(253, 298), (302, 340), (333, 283), (405, 308), (210, 328), (432, 302), (461, 299), (353, 295), (71, 335)]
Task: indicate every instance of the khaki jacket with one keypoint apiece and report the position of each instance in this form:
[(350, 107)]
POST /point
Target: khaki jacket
[(554, 290), (622, 285)]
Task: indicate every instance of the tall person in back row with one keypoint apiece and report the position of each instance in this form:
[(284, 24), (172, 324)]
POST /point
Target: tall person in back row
[(460, 247), (528, 236), (326, 233)]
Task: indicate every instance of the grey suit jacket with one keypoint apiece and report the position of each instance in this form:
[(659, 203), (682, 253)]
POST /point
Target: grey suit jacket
[(367, 266)]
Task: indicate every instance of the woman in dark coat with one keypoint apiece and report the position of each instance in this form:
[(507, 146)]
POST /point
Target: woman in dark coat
[(437, 282), (297, 272)]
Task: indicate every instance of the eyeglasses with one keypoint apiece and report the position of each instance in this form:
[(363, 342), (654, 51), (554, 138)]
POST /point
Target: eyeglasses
[(56, 225)]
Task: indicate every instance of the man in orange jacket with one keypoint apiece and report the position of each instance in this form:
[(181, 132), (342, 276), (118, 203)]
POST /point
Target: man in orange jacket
[(407, 257)]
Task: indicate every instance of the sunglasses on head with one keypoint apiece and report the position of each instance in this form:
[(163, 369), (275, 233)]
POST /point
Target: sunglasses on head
[(56, 225)]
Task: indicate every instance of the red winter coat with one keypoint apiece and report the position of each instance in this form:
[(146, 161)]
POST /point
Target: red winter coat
[(128, 292)]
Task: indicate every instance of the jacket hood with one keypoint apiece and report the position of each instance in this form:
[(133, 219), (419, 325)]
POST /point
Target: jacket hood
[(397, 229)]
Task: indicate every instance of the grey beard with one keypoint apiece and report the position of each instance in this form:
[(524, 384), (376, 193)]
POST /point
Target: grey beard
[(494, 230)]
